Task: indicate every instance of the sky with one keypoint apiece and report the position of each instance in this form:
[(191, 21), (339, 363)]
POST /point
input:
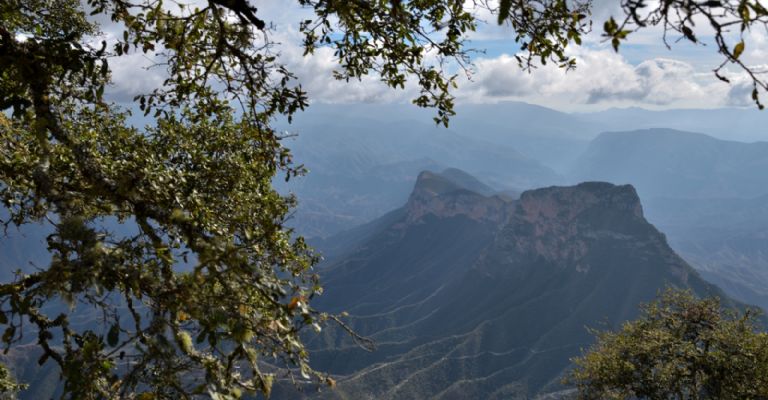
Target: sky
[(645, 73)]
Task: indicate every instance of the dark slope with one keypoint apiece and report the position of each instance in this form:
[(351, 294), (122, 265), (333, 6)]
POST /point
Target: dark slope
[(469, 296), (669, 163), (467, 181)]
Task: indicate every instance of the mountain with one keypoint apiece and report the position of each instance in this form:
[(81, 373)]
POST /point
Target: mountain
[(552, 137), (360, 168), (742, 124), (464, 180), (331, 202), (356, 144), (670, 163), (475, 296), (429, 184)]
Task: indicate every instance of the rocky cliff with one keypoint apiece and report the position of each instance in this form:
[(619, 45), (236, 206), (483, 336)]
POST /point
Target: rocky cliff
[(438, 195)]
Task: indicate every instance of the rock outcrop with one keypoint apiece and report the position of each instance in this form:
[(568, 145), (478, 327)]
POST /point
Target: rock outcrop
[(438, 195)]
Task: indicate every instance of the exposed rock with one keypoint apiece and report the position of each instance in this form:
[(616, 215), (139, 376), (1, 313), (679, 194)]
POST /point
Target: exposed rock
[(557, 223)]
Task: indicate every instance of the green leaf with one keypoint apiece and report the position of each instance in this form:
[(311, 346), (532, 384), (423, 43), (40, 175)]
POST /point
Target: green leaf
[(738, 49), (745, 14), (185, 341), (266, 384)]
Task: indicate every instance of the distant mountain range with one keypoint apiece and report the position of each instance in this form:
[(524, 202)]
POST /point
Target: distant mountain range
[(740, 124), (363, 159), (552, 137), (670, 163), (476, 296)]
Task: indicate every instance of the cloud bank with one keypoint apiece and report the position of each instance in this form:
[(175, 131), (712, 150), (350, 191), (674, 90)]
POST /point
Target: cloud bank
[(602, 78)]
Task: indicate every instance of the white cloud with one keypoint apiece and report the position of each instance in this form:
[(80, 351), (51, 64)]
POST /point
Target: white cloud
[(132, 75), (602, 78)]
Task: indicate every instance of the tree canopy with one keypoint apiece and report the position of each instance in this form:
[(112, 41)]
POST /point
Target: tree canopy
[(679, 348), (172, 231)]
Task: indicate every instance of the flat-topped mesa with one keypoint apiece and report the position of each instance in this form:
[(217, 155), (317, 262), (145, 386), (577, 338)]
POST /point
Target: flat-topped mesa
[(568, 202), (561, 224), (438, 195)]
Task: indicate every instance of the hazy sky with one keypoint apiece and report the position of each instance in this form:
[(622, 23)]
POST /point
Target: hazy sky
[(645, 73)]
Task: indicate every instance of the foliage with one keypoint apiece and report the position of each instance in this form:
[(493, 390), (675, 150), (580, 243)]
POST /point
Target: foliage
[(427, 39), (392, 39), (172, 232), (8, 385), (680, 348), (175, 225)]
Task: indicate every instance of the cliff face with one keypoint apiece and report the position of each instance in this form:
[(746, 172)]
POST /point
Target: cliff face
[(473, 296), (593, 225), (566, 203), (559, 224)]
